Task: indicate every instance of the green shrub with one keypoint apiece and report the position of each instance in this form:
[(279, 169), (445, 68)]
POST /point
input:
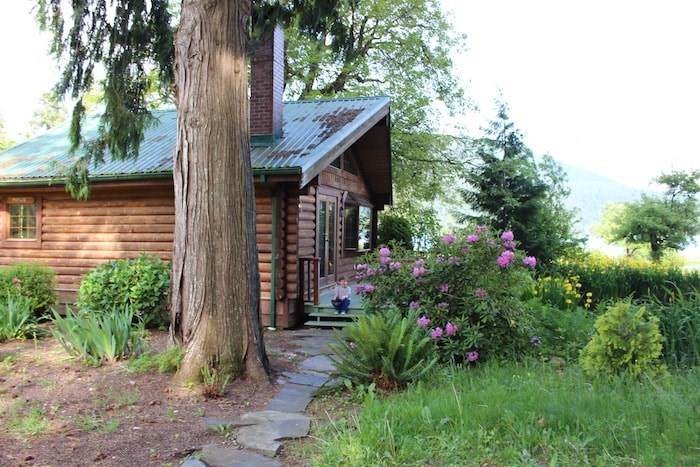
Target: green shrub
[(17, 319), (35, 281), (560, 333), (679, 322), (383, 348), (468, 290), (99, 337), (166, 362), (143, 284), (396, 230), (627, 341)]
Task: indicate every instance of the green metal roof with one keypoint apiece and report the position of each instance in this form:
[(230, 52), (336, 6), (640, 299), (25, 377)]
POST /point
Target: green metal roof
[(315, 132)]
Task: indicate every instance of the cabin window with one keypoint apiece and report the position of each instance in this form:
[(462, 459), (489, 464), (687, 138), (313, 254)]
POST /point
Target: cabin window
[(346, 164), (357, 227), (22, 221)]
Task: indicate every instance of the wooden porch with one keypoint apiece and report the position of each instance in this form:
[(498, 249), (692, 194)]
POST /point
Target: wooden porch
[(322, 314)]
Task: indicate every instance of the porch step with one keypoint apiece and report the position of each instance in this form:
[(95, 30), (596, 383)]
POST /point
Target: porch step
[(326, 317), (327, 324)]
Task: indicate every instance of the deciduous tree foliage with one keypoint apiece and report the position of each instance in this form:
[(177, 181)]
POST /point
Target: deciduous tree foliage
[(398, 48), (215, 279), (5, 142), (51, 113), (666, 222), (509, 190)]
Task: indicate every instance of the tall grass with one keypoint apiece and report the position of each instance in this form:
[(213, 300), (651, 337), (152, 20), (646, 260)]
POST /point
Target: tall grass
[(523, 415), (679, 322), (612, 279)]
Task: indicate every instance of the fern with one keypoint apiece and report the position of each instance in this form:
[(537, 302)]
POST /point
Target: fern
[(383, 348)]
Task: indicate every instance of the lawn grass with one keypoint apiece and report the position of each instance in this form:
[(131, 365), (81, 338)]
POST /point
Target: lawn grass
[(515, 414)]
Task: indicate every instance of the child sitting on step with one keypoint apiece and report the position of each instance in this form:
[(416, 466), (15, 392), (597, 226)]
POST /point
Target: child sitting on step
[(341, 299)]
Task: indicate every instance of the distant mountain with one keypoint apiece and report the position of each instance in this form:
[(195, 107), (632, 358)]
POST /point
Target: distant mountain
[(591, 192)]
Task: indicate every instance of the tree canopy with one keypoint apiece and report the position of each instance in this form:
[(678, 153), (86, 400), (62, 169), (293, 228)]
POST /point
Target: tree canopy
[(662, 223), (398, 48), (51, 113), (5, 142)]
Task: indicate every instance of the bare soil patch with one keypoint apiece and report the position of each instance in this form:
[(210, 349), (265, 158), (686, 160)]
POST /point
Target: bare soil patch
[(56, 411)]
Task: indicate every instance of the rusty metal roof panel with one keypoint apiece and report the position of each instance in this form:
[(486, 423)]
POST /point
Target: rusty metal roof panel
[(315, 132)]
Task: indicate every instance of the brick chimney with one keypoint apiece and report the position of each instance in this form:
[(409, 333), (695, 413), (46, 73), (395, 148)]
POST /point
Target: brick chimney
[(266, 89)]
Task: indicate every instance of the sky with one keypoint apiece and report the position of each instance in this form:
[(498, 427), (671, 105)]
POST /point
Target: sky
[(609, 86)]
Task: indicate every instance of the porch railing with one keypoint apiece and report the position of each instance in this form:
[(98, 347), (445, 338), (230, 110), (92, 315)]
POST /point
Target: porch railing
[(308, 279)]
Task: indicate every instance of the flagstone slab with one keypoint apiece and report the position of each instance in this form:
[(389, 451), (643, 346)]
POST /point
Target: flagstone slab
[(217, 456)]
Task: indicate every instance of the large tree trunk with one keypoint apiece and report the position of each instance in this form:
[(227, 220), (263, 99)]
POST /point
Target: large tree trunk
[(215, 278)]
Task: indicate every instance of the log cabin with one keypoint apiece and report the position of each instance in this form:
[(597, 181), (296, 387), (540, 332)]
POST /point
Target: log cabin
[(322, 171)]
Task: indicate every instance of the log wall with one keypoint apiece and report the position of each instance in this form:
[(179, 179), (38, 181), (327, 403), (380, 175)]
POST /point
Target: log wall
[(119, 221)]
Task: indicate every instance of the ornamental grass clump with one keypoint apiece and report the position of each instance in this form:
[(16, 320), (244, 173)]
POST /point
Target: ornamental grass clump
[(627, 341), (99, 337), (17, 319), (467, 289), (383, 348)]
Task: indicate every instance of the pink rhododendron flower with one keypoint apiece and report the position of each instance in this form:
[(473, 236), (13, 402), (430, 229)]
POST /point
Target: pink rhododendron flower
[(394, 266), (450, 329), (384, 260), (481, 229), (365, 288), (530, 261), (443, 305), (473, 356), (418, 271), (443, 288), (509, 244), (480, 293), (505, 258), (361, 266), (449, 238), (423, 322), (384, 251), (435, 333), (413, 305), (419, 262), (471, 238), (507, 236)]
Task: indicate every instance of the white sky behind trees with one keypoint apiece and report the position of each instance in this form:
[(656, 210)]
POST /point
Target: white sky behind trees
[(610, 86)]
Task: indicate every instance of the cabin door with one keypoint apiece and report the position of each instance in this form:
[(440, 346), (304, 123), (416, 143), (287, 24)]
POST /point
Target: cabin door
[(326, 240)]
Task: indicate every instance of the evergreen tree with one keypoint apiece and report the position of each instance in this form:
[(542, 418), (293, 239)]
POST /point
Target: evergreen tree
[(218, 324), (508, 190)]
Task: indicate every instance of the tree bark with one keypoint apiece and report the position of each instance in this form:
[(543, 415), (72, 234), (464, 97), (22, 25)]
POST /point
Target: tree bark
[(215, 280)]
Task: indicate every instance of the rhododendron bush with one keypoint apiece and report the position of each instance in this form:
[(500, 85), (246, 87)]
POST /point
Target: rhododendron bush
[(466, 290)]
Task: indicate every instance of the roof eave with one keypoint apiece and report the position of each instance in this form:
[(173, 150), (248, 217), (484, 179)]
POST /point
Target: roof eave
[(334, 146)]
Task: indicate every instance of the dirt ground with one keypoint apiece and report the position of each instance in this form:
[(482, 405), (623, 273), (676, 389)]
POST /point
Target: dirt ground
[(56, 411)]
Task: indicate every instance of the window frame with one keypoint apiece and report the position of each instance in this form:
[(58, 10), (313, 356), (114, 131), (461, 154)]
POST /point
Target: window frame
[(355, 233), (19, 199)]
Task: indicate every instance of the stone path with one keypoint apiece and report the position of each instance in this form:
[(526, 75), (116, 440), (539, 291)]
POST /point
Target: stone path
[(261, 433)]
